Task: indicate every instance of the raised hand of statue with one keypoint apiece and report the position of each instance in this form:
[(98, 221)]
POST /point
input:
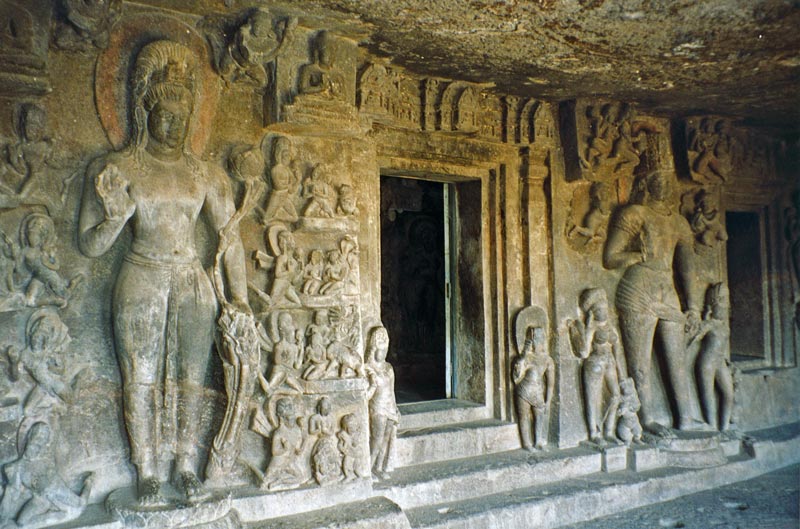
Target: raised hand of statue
[(112, 190)]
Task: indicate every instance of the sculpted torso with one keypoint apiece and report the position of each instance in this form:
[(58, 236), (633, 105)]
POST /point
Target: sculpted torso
[(168, 197)]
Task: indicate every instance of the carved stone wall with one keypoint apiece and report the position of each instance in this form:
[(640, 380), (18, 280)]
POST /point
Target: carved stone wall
[(190, 263)]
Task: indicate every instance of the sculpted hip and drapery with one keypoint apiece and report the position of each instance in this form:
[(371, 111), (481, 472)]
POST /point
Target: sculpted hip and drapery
[(164, 306), (383, 413), (644, 240)]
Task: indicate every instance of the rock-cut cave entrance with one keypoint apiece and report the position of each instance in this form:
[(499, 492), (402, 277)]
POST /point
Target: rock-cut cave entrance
[(415, 285)]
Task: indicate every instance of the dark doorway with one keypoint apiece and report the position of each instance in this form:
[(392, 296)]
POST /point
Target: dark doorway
[(414, 215), (745, 281)]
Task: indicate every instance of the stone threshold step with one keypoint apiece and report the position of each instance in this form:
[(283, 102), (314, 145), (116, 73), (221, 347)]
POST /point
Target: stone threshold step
[(462, 479), (454, 441), (372, 513), (433, 413), (579, 499)]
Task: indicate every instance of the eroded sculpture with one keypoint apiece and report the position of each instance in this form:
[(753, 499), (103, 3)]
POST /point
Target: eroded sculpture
[(706, 220), (713, 363), (35, 494), (596, 341), (322, 76), (711, 149), (533, 374), (644, 240), (164, 305), (383, 413)]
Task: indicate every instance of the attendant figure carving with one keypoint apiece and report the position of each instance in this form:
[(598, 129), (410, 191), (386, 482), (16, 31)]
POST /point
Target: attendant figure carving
[(36, 279), (706, 220), (283, 470), (287, 268), (284, 179), (713, 362), (710, 150), (312, 273), (164, 305), (383, 413), (346, 206), (35, 494), (596, 341), (47, 340), (628, 427), (26, 158), (320, 194), (316, 351), (348, 447), (534, 381), (325, 458), (287, 357), (256, 45), (593, 226), (645, 239)]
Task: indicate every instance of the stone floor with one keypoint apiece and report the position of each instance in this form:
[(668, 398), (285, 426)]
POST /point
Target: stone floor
[(770, 501)]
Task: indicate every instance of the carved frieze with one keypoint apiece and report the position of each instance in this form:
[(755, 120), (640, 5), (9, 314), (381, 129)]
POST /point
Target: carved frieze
[(391, 95), (717, 151), (605, 139)]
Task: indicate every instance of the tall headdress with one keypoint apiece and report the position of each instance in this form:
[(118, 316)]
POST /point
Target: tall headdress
[(164, 69)]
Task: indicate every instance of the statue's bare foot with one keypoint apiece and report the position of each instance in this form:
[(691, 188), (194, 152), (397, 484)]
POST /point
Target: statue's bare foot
[(541, 446), (694, 425), (191, 486), (598, 440), (150, 492), (659, 430)]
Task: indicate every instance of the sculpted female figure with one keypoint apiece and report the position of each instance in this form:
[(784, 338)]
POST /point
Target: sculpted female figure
[(534, 381), (383, 413), (645, 239), (164, 305)]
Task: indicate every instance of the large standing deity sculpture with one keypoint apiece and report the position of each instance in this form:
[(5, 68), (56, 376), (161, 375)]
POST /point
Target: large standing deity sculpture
[(164, 306), (645, 239)]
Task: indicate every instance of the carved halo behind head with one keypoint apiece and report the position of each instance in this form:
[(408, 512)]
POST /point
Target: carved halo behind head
[(527, 318)]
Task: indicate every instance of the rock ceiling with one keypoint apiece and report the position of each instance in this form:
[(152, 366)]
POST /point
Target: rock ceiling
[(739, 58)]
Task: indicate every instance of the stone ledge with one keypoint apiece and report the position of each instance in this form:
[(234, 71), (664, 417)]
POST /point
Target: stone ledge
[(428, 445), (442, 412), (601, 494), (489, 474)]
